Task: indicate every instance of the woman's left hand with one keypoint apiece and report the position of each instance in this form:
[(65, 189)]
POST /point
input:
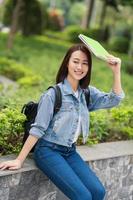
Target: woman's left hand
[(114, 63)]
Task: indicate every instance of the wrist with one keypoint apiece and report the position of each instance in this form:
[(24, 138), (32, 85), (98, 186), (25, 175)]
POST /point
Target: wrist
[(20, 160)]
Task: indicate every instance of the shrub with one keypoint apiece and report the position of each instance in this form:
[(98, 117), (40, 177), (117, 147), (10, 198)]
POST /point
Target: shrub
[(110, 125), (128, 66), (13, 70), (19, 73), (130, 52), (31, 11), (119, 44), (76, 13), (95, 33), (11, 121), (122, 30), (122, 122), (30, 81), (72, 33), (98, 125)]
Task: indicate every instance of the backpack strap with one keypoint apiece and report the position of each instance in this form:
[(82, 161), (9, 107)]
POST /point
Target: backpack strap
[(58, 98), (87, 96)]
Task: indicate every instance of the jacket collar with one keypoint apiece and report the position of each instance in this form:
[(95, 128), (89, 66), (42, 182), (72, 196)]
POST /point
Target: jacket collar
[(67, 89)]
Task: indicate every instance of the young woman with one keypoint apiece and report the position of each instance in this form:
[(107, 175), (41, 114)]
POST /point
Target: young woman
[(56, 135)]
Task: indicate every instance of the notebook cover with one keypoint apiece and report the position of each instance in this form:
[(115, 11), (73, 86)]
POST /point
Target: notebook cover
[(95, 47)]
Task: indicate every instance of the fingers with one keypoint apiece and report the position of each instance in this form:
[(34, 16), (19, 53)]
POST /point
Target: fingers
[(113, 60), (13, 168), (5, 165), (10, 165)]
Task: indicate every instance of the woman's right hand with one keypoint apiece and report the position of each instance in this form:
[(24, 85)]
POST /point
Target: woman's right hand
[(11, 165)]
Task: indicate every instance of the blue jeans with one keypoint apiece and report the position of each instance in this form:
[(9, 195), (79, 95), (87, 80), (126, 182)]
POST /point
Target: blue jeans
[(67, 170)]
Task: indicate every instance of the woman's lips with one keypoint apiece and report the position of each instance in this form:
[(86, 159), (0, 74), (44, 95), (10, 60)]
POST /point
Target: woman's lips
[(78, 72)]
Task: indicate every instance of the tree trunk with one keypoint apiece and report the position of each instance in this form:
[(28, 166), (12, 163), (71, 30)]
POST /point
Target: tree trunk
[(14, 24), (103, 14), (89, 11)]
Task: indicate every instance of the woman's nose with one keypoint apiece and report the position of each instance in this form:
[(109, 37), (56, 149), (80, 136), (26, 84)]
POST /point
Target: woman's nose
[(79, 66)]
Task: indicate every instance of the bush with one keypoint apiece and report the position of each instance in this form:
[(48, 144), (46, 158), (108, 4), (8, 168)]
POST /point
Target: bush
[(122, 30), (105, 126), (28, 81), (110, 125), (128, 66), (31, 20), (18, 72), (95, 33), (11, 121), (13, 70), (122, 122), (130, 52), (72, 33), (76, 13), (119, 44)]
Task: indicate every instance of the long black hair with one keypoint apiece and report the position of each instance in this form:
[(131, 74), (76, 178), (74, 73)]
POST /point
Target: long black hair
[(63, 70)]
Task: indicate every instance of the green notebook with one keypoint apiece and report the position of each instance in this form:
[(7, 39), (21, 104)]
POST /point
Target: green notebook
[(95, 47)]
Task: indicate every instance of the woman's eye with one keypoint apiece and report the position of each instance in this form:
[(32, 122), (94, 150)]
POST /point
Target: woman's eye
[(85, 63), (75, 62)]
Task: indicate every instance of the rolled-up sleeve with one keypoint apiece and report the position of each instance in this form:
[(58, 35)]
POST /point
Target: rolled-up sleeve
[(44, 116), (101, 100)]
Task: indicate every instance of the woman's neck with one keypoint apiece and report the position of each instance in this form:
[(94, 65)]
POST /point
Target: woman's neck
[(74, 83)]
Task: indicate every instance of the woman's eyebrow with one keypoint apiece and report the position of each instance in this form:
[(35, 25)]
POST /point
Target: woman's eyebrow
[(79, 59)]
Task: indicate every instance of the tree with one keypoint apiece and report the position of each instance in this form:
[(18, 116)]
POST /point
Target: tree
[(89, 11), (15, 21), (30, 18), (112, 3)]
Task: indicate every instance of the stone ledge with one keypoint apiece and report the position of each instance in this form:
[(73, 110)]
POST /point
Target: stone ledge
[(106, 150), (95, 152), (112, 162)]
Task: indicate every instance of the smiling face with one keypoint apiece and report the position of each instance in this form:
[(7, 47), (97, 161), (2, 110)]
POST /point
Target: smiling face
[(77, 66)]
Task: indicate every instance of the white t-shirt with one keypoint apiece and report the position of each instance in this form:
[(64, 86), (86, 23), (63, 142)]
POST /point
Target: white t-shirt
[(78, 130)]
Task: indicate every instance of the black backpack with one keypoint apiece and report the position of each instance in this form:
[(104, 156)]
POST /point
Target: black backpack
[(30, 110)]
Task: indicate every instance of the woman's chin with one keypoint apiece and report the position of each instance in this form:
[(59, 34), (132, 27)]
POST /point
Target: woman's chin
[(79, 77)]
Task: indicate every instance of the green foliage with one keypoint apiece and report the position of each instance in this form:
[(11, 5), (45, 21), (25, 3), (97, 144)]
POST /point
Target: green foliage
[(72, 33), (122, 121), (122, 30), (31, 16), (13, 70), (98, 125), (128, 66), (1, 87), (11, 121), (28, 81), (110, 125), (7, 16), (130, 52), (119, 44), (76, 13), (18, 72)]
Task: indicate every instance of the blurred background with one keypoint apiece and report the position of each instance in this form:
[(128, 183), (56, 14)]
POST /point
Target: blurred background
[(34, 36)]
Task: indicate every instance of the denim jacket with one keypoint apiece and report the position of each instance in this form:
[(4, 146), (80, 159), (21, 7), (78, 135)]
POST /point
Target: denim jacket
[(61, 127)]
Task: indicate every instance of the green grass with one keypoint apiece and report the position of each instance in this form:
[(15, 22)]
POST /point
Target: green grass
[(44, 55)]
